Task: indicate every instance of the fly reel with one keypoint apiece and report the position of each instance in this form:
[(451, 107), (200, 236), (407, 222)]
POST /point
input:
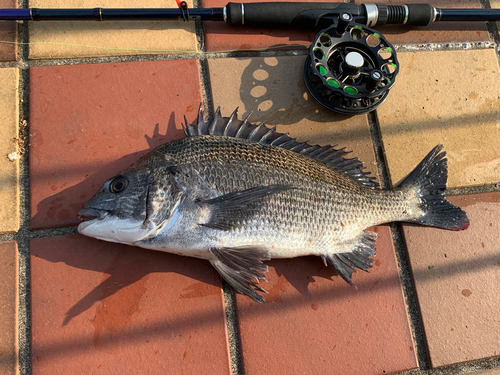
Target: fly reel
[(350, 67)]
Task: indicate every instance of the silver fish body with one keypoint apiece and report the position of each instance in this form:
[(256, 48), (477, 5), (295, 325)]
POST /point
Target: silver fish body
[(237, 194)]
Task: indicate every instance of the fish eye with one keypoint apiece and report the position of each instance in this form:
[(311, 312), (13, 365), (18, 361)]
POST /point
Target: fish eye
[(118, 184)]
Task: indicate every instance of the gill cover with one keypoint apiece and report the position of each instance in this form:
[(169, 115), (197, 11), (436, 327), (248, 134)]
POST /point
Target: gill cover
[(131, 207)]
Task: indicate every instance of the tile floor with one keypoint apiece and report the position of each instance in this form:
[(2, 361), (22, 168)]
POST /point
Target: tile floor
[(97, 96)]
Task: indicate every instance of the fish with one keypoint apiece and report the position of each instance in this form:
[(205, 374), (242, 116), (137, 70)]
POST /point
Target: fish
[(238, 194)]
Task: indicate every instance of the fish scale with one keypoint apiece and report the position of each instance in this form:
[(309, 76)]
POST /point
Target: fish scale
[(331, 195), (237, 194)]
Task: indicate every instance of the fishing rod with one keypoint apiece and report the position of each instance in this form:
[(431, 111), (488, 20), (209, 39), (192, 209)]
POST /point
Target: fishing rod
[(350, 67), (272, 14)]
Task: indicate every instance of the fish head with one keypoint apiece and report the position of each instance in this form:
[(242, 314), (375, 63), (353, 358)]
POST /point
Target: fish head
[(129, 207)]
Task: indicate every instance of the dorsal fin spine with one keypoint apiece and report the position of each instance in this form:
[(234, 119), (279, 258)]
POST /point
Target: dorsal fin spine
[(245, 121), (267, 134), (254, 132), (332, 157), (185, 127), (241, 129), (233, 116), (280, 139), (201, 120), (213, 125)]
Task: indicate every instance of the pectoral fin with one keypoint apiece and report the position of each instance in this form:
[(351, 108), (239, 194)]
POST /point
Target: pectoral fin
[(230, 210), (363, 248), (240, 266)]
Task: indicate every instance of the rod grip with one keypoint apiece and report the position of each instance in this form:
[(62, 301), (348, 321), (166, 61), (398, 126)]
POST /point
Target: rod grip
[(420, 14), (281, 14)]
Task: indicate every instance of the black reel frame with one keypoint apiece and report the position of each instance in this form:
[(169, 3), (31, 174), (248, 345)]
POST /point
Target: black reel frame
[(350, 67)]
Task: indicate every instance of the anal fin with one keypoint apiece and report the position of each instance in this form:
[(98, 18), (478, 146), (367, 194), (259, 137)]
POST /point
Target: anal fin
[(344, 263), (242, 268)]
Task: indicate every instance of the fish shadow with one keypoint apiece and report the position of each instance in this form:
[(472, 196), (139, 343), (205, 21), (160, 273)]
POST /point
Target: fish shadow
[(122, 266), (60, 209), (130, 264)]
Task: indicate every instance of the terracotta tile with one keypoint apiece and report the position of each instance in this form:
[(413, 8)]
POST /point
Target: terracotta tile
[(221, 37), (66, 39), (8, 34), (9, 167), (315, 323), (494, 371), (457, 106), (9, 297), (438, 32), (272, 89), (115, 309), (88, 122), (456, 278)]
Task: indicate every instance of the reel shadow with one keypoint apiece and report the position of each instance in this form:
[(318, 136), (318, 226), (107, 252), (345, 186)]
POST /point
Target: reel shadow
[(273, 90)]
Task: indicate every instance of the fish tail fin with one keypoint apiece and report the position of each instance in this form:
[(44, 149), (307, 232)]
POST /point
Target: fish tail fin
[(429, 180)]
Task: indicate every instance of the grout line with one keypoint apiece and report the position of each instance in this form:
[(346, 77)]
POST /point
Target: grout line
[(473, 190), (452, 46), (149, 57), (229, 54), (493, 30), (412, 308), (52, 232), (233, 335), (458, 368), (206, 92), (378, 150), (208, 100), (24, 234)]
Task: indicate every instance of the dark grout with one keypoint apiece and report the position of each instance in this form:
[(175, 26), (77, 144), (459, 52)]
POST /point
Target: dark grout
[(145, 57), (232, 329), (23, 235), (473, 189), (233, 335), (493, 30), (25, 62), (412, 306), (401, 255), (459, 368)]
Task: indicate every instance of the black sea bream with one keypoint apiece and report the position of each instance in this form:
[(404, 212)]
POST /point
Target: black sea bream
[(237, 194)]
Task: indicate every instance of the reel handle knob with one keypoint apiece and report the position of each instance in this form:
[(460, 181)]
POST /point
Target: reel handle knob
[(345, 19), (376, 76)]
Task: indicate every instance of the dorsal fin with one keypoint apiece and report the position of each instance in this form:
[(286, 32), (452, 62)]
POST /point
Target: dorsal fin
[(232, 127)]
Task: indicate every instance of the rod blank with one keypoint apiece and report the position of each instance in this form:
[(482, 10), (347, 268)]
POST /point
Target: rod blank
[(105, 14)]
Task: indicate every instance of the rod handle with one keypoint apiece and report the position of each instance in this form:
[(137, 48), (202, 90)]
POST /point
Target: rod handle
[(420, 14), (285, 14)]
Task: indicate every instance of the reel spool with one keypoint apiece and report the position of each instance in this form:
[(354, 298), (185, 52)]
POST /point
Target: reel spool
[(350, 67)]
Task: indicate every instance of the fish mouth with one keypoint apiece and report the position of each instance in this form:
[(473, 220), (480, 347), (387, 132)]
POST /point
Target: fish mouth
[(87, 214)]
